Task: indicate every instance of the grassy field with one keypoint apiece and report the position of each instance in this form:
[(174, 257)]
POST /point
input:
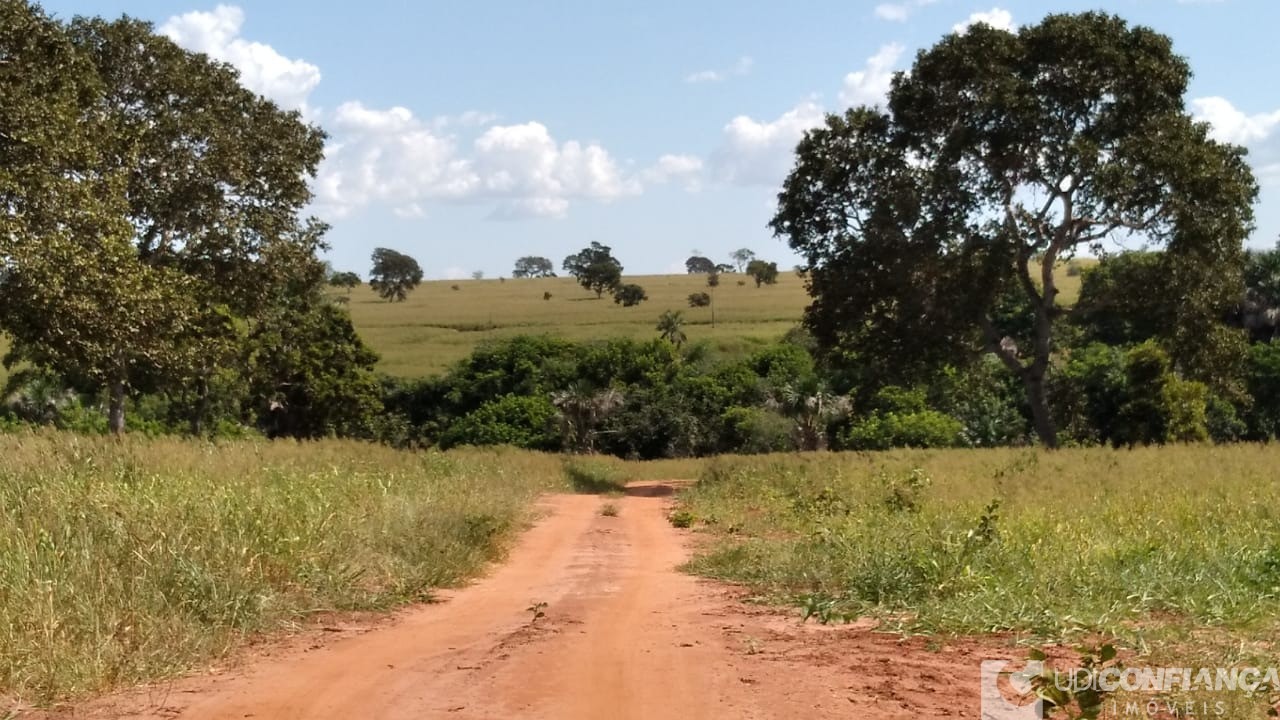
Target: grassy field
[(1174, 551), (438, 325), (121, 561)]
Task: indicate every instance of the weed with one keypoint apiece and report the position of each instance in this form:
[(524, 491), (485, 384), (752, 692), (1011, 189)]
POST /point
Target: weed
[(538, 609), (609, 510), (681, 518)]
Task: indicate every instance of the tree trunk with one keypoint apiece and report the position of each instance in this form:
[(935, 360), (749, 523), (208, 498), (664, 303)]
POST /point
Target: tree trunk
[(201, 408), (115, 411), (1041, 418)]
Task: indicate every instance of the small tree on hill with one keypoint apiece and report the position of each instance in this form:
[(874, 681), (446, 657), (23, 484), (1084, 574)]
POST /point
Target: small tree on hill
[(348, 280), (764, 273), (394, 274), (629, 295), (698, 264), (741, 257), (596, 268), (699, 299), (533, 266)]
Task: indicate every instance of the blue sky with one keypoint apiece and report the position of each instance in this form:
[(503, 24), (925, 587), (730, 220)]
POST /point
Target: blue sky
[(470, 133)]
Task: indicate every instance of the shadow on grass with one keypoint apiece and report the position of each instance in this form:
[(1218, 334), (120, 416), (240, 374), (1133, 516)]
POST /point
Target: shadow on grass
[(594, 477)]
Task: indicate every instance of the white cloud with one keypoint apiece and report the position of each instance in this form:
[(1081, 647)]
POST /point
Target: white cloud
[(454, 273), (675, 168), (998, 18), (870, 85), (760, 153), (262, 69), (1230, 124), (741, 67), (900, 11), (391, 157)]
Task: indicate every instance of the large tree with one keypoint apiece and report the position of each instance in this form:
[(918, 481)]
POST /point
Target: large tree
[(698, 264), (934, 227), (596, 268), (533, 266), (394, 274), (148, 231)]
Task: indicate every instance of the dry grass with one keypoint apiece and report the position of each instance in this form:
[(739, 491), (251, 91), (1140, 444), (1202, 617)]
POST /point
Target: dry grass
[(121, 561)]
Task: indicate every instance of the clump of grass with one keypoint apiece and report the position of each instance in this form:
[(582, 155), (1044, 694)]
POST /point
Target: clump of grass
[(609, 510), (124, 561)]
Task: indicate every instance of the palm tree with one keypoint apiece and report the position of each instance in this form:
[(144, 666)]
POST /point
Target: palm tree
[(671, 328), (812, 407), (581, 410)]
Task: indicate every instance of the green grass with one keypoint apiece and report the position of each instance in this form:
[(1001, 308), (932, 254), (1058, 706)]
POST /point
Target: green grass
[(124, 561), (1025, 540), (1173, 553), (438, 326)]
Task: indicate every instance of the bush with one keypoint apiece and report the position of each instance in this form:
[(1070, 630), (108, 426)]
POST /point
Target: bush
[(699, 299), (919, 429), (756, 430), (525, 422), (629, 295)]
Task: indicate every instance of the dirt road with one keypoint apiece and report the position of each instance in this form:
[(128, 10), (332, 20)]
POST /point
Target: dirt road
[(624, 635)]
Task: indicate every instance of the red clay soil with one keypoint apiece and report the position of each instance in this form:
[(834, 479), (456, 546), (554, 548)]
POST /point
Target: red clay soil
[(624, 635)]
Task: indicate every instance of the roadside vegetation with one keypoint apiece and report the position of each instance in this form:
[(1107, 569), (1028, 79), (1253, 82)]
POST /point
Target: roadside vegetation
[(121, 562)]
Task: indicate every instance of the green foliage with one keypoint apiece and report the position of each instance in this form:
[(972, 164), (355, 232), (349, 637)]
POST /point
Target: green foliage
[(348, 280), (524, 422), (394, 274), (753, 430), (764, 273), (594, 476), (1263, 418), (915, 228), (671, 327), (532, 266), (629, 295), (696, 264), (919, 429), (595, 268), (699, 299)]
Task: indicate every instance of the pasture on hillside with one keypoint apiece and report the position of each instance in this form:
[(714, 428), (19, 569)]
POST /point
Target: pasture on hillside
[(438, 326)]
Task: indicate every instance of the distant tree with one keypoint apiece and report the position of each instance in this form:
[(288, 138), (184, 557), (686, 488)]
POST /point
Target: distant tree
[(699, 299), (741, 257), (629, 295), (713, 280), (998, 156), (533, 266), (725, 268), (671, 327), (477, 275), (698, 264), (394, 274), (764, 273), (348, 280), (596, 268)]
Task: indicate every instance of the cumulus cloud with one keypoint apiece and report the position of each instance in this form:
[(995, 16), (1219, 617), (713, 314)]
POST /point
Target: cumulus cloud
[(262, 69), (900, 11), (1230, 124), (998, 18), (870, 85), (741, 67), (754, 152), (390, 156), (675, 168)]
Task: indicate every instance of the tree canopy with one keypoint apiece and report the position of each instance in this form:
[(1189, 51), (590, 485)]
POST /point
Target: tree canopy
[(764, 273), (533, 266), (933, 227), (596, 268), (697, 264), (394, 274)]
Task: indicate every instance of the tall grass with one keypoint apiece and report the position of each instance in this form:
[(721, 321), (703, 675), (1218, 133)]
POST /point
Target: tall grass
[(974, 541), (121, 561)]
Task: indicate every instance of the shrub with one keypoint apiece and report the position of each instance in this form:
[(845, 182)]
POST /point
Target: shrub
[(756, 430), (629, 295), (521, 421), (699, 299), (918, 429)]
